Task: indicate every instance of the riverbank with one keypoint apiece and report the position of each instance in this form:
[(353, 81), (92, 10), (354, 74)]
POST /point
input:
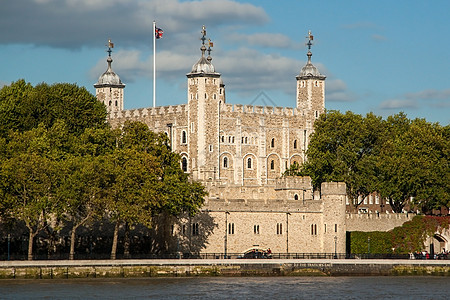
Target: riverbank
[(219, 267)]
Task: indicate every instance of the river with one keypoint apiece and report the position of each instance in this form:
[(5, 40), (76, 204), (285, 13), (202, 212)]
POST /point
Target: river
[(230, 288)]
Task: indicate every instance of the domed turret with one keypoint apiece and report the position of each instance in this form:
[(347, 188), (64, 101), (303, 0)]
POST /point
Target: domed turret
[(109, 78), (310, 87), (109, 87), (309, 70), (204, 65)]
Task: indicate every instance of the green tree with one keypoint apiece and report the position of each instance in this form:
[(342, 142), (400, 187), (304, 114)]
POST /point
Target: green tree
[(28, 183), (343, 148), (83, 191), (413, 164), (147, 181), (23, 107)]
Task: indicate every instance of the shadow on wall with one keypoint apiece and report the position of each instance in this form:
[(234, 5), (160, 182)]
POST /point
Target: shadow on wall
[(184, 234)]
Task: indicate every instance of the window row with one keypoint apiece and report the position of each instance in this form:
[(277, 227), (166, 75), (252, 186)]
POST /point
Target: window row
[(279, 230), (230, 139)]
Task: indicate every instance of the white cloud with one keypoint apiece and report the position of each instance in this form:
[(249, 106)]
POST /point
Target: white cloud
[(378, 37), (398, 104), (77, 23), (429, 94)]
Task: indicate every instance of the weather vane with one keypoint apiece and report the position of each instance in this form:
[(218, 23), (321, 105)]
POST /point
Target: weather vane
[(110, 46), (310, 38), (210, 44), (203, 38)]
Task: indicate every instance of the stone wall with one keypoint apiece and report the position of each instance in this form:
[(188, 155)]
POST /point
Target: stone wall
[(376, 221)]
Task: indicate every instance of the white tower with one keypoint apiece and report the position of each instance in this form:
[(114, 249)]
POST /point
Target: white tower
[(205, 94), (310, 87), (109, 87)]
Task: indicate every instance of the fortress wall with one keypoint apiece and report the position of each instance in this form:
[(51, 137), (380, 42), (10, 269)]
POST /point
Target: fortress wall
[(375, 222)]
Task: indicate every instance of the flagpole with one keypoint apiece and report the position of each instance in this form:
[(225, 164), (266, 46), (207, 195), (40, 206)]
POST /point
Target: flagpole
[(154, 64)]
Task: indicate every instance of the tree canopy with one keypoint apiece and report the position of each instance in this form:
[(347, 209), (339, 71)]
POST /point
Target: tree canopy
[(62, 165), (23, 107), (401, 159)]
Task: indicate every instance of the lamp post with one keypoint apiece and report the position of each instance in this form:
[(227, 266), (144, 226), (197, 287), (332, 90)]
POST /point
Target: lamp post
[(9, 245), (368, 247), (335, 247)]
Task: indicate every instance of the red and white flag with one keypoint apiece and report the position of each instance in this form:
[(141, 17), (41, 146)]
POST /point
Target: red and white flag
[(158, 33)]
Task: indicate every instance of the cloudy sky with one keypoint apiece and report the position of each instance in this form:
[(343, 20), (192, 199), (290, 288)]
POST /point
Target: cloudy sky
[(382, 56)]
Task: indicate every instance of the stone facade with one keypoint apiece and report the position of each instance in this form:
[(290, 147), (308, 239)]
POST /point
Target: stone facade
[(239, 152)]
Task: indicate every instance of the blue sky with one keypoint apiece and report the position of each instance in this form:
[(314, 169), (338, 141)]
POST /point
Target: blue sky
[(378, 56)]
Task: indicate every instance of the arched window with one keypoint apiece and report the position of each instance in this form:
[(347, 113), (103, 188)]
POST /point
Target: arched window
[(225, 162), (116, 103), (295, 144), (295, 197), (272, 164), (184, 164), (249, 163), (246, 140), (183, 137), (272, 143), (110, 102)]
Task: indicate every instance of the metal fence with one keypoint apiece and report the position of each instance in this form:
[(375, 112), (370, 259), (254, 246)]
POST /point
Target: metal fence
[(257, 255)]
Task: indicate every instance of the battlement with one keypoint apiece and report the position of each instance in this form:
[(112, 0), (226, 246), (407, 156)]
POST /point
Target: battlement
[(293, 183), (144, 112), (261, 110), (376, 221), (333, 188), (381, 216)]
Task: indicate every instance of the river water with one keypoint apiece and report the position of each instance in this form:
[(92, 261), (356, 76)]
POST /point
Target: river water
[(230, 288)]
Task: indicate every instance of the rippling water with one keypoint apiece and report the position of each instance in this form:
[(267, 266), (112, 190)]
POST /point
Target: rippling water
[(230, 288)]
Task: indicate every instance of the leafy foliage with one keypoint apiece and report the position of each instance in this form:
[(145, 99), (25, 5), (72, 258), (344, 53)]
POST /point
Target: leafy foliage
[(61, 165), (408, 238), (23, 107), (398, 158)]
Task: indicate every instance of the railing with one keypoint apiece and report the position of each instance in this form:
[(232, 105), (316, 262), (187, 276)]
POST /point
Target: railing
[(257, 255)]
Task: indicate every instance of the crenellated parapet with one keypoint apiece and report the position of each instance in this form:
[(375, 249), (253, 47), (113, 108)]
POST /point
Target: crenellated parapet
[(149, 111), (293, 183), (333, 188), (261, 110), (376, 221)]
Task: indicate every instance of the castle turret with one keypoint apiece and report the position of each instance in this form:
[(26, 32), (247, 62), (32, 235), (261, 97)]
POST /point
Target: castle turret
[(206, 92), (109, 87), (310, 87)]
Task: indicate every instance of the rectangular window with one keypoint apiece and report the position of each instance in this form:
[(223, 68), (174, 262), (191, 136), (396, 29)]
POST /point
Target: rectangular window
[(313, 229), (230, 228), (335, 227), (195, 230), (279, 228), (325, 226)]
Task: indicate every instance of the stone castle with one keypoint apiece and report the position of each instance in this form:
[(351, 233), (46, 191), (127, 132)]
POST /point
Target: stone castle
[(239, 152)]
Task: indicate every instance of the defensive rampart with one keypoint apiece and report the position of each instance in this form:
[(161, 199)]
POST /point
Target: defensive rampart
[(376, 221)]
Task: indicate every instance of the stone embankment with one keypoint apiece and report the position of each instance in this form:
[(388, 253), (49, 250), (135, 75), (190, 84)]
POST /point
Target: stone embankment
[(205, 267)]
